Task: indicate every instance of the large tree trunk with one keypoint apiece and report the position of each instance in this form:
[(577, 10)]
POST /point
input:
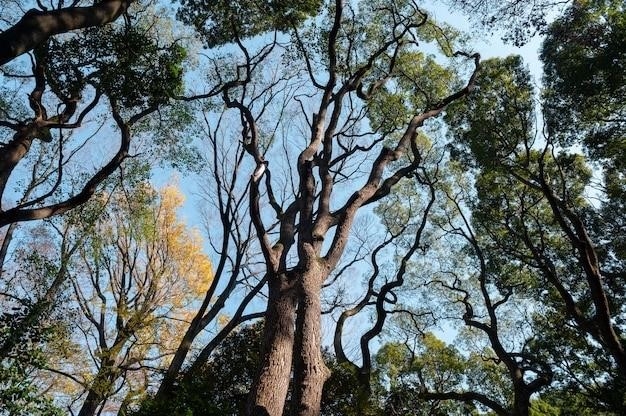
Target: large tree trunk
[(269, 392), (310, 371), (90, 405)]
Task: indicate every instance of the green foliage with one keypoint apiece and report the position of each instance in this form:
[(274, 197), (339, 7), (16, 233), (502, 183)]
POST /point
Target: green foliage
[(420, 83), (344, 395), (440, 365), (517, 20), (528, 190), (585, 78), (224, 21), (496, 121), (585, 60), (19, 393), (168, 137), (220, 386), (433, 367), (586, 382), (539, 407), (126, 63)]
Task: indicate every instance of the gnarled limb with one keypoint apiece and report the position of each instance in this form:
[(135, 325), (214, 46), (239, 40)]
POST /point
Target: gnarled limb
[(35, 27)]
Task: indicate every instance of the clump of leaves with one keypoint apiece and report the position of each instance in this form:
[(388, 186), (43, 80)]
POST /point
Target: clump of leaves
[(126, 64), (224, 21), (19, 393)]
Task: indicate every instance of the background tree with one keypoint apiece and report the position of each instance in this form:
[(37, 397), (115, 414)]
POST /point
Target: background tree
[(218, 386), (134, 277), (542, 217), (24, 351), (64, 89), (34, 325), (237, 280), (531, 218), (517, 21)]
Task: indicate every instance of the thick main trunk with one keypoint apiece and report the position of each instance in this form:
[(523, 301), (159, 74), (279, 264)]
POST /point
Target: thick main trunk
[(521, 402), (269, 392), (310, 371), (90, 405)]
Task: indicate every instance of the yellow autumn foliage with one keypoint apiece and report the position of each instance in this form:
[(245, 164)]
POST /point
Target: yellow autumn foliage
[(142, 267), (183, 245)]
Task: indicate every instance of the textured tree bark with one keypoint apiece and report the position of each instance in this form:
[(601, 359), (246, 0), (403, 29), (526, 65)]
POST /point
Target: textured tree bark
[(309, 218), (90, 405), (521, 407), (269, 392), (310, 371), (6, 242), (35, 27)]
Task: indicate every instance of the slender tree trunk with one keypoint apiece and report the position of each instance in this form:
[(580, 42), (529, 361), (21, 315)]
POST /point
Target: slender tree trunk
[(4, 248), (166, 387), (269, 392), (39, 309), (310, 371), (588, 259), (100, 388)]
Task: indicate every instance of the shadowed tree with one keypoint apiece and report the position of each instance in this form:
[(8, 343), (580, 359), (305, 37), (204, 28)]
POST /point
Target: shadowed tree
[(533, 202)]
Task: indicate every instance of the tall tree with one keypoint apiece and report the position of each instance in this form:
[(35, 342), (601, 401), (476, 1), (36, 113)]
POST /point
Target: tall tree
[(237, 280), (533, 205), (67, 83), (349, 60), (133, 281), (28, 327)]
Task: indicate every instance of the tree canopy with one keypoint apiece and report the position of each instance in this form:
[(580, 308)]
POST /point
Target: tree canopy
[(382, 222)]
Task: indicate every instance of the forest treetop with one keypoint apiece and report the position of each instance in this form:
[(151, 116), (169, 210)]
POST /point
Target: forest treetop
[(355, 163)]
